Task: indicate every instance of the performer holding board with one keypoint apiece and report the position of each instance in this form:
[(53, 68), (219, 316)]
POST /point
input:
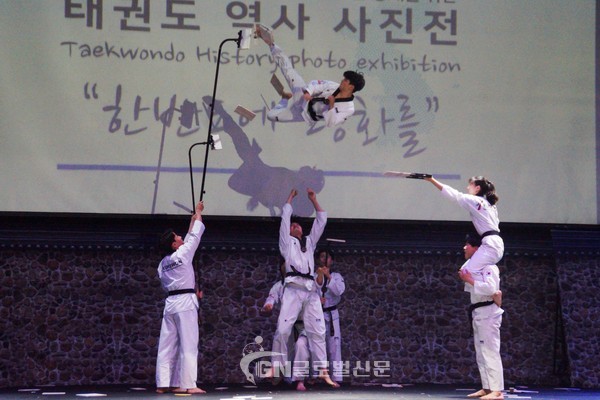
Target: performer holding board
[(409, 175), (480, 201)]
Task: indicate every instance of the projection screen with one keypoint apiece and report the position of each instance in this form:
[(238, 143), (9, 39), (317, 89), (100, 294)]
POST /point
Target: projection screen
[(101, 100)]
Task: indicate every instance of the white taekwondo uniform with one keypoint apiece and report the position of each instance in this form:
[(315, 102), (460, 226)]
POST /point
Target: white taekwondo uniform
[(298, 341), (296, 108), (486, 327), (301, 351), (333, 335), (485, 219), (300, 297), (178, 343)]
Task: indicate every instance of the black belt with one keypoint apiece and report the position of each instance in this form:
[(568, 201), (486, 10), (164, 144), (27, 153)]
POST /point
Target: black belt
[(301, 275), (331, 327), (181, 291), (475, 306), (313, 114), (490, 233), (295, 272)]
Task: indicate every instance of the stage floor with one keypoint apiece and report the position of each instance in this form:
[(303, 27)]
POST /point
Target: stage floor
[(268, 392)]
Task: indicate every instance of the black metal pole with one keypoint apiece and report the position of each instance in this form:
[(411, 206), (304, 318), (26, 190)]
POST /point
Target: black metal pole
[(192, 174), (209, 140)]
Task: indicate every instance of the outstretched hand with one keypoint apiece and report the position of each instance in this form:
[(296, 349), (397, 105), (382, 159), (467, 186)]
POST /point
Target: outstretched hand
[(312, 196), (198, 211), (435, 182), (266, 310), (291, 196)]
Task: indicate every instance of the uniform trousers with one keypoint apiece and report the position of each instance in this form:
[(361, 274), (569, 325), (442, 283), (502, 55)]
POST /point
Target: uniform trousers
[(178, 350), (301, 369), (299, 302), (486, 333), (282, 112), (334, 344), (489, 253)]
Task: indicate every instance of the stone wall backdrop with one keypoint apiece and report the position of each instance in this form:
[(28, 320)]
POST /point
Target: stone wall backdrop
[(77, 313), (579, 279)]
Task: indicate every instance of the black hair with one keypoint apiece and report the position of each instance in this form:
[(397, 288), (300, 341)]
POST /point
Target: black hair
[(296, 219), (166, 241), (324, 250), (473, 239), (487, 189), (356, 79)]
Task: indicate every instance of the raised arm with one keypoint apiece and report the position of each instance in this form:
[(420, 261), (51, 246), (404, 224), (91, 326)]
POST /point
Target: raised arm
[(320, 221), (284, 226), (197, 216), (291, 196), (435, 182), (312, 196), (192, 239)]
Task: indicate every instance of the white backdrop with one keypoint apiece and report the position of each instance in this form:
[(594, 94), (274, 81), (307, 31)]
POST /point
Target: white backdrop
[(90, 101)]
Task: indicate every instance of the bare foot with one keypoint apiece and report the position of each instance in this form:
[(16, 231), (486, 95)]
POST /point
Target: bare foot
[(478, 393), (325, 376), (495, 395), (300, 386), (286, 95), (195, 390), (265, 33), (163, 390)]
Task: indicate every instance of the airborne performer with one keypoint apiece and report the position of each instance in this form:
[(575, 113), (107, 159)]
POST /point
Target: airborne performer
[(318, 100)]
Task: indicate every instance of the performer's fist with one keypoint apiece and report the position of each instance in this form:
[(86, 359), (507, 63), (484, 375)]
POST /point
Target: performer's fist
[(266, 309)]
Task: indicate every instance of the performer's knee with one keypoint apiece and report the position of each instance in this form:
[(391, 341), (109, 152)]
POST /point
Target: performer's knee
[(284, 330)]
